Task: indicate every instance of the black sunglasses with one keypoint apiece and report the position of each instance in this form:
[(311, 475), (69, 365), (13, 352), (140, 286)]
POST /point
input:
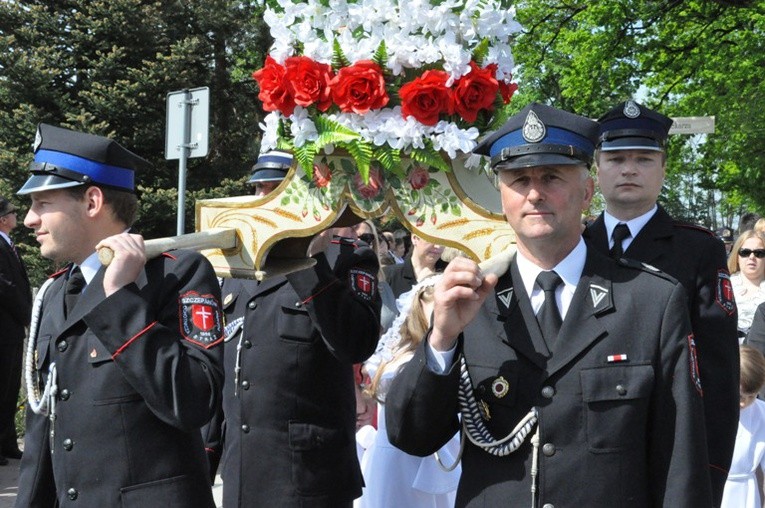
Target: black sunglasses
[(758, 253)]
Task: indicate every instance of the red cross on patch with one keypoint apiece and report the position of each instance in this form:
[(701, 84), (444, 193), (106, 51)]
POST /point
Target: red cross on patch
[(363, 284)]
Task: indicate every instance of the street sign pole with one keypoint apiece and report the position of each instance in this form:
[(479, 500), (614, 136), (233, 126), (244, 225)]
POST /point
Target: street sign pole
[(186, 106), (186, 136)]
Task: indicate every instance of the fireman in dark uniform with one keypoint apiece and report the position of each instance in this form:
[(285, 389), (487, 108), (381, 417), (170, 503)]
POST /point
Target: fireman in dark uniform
[(125, 360), (289, 403), (631, 160), (573, 373)]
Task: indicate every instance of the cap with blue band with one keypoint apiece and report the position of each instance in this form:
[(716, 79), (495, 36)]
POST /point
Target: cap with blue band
[(540, 135), (66, 158)]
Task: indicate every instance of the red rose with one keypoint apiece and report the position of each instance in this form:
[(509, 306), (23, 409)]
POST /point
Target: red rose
[(274, 88), (507, 90), (322, 175), (308, 81), (427, 97), (372, 188), (475, 91), (359, 88), (418, 177)]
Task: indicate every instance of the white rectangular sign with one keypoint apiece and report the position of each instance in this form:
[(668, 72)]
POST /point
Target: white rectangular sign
[(187, 109), (693, 125)]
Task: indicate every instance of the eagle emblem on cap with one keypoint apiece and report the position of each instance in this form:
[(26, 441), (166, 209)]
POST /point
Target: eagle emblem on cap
[(38, 140), (534, 130), (631, 110)]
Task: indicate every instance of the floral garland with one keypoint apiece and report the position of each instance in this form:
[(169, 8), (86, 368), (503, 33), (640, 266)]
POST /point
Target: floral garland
[(385, 78)]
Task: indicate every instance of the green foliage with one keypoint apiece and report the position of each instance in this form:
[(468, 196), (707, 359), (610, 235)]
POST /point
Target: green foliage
[(692, 58), (106, 67)]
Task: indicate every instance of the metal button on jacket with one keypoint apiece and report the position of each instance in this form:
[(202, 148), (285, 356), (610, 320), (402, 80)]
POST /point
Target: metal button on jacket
[(245, 385), (247, 344), (548, 505), (548, 449), (68, 444), (245, 428), (548, 392), (62, 346), (72, 494), (621, 390), (252, 305), (64, 394)]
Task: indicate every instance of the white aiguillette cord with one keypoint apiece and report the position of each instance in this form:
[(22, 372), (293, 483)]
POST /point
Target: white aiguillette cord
[(473, 426), (44, 404)]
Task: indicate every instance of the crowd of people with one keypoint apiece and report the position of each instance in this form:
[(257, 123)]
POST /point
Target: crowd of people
[(598, 366)]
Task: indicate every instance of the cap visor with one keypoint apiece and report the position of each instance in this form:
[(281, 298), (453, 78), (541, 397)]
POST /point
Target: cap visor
[(39, 183), (537, 159), (267, 175), (631, 144)]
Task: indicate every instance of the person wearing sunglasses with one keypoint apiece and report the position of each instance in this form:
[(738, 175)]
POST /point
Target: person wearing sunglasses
[(747, 266)]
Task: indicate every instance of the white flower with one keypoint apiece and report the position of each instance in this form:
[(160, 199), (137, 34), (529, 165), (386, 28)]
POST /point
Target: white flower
[(417, 33), (302, 127), (269, 126)]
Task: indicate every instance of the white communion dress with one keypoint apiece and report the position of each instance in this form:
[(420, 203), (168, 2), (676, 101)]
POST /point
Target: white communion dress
[(749, 454), (395, 479)]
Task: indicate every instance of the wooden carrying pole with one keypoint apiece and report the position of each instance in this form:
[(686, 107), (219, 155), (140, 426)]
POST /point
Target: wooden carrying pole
[(216, 238)]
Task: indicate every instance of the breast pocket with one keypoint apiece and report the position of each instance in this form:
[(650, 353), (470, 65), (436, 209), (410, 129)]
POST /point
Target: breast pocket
[(295, 324), (616, 400), (108, 384)]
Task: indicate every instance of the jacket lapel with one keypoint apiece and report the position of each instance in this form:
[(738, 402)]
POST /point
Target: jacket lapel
[(92, 295), (592, 298), (525, 338), (657, 229), (596, 235)]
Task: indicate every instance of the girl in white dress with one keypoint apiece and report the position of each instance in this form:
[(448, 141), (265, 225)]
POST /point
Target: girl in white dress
[(741, 488), (395, 479)]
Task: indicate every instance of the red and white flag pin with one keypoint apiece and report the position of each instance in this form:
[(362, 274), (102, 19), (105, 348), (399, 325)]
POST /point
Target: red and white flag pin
[(617, 358)]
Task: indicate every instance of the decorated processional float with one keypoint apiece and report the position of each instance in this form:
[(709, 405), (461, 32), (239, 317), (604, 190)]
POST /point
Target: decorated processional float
[(381, 103)]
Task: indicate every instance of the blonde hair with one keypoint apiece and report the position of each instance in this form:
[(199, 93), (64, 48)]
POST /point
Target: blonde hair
[(759, 226), (733, 265), (752, 370), (412, 331)]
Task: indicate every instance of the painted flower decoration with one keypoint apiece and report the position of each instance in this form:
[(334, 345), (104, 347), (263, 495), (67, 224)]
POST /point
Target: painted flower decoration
[(383, 79)]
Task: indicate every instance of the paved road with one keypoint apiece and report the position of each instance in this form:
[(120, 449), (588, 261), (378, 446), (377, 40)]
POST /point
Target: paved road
[(9, 480)]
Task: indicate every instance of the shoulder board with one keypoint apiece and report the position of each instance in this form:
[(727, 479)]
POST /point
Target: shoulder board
[(60, 272), (645, 267), (694, 227)]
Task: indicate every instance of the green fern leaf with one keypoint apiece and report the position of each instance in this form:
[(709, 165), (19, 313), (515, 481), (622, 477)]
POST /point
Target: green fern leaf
[(381, 57), (361, 152), (305, 156), (481, 51), (430, 157), (390, 159), (339, 59)]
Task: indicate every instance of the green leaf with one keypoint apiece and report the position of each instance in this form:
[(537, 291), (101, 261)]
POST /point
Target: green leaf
[(361, 152), (481, 51), (381, 57), (339, 59), (390, 159), (430, 157), (305, 156)]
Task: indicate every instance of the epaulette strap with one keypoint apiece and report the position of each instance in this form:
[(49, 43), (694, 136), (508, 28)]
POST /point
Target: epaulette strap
[(694, 227), (645, 267)]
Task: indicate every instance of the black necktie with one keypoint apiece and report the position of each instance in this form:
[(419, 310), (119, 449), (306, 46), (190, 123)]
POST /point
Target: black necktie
[(548, 316), (621, 231), (74, 286)]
